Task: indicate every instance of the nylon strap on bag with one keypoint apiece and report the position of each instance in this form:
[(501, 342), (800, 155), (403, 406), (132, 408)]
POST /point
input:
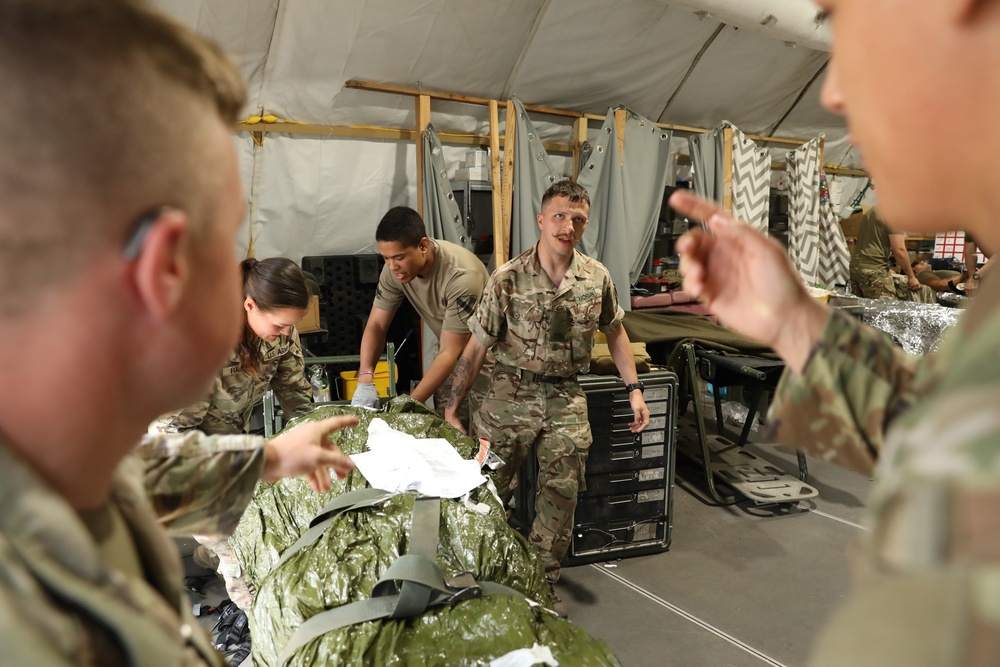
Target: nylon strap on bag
[(357, 499), (410, 586)]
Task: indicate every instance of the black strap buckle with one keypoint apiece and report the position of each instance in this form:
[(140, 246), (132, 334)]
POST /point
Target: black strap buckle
[(464, 586)]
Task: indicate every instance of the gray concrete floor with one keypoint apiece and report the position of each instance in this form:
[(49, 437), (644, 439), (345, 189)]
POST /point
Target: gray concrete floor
[(740, 586)]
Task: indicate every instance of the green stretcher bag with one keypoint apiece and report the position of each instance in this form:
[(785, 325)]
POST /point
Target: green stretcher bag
[(469, 592)]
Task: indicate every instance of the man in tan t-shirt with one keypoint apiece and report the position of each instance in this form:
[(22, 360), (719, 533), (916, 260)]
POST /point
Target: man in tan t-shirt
[(869, 271), (442, 280)]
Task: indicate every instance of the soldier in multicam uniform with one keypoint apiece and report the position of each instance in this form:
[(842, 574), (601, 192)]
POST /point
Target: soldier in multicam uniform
[(127, 306), (269, 356), (929, 568), (540, 314), (870, 274)]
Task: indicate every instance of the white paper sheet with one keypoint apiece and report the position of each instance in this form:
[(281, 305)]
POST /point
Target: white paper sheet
[(397, 461), (526, 657)]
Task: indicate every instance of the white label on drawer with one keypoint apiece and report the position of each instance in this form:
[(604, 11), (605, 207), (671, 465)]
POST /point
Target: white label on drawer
[(657, 408), (657, 423), (652, 437), (652, 451), (649, 474), (650, 496), (656, 394)]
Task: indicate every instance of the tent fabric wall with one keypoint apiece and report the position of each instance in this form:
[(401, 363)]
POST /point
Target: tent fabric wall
[(706, 163), (626, 192), (325, 196), (533, 174), (804, 243), (751, 181), (442, 217), (312, 195)]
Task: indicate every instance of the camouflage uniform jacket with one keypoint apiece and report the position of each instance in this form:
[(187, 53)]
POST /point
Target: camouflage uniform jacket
[(235, 392), (544, 328), (931, 428), (60, 604)]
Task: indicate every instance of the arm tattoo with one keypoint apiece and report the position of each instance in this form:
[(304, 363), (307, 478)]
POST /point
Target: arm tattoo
[(459, 380)]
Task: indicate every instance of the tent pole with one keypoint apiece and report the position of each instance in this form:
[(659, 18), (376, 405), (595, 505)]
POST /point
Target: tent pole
[(496, 198), (579, 139), (501, 244), (727, 168), (423, 109)]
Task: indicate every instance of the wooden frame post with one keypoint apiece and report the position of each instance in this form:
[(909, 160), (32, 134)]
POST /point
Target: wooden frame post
[(423, 110), (579, 139), (727, 169), (496, 179), (501, 243)]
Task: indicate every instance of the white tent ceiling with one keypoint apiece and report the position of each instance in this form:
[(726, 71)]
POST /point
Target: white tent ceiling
[(312, 196)]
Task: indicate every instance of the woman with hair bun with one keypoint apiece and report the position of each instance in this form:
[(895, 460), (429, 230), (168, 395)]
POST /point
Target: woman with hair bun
[(268, 356)]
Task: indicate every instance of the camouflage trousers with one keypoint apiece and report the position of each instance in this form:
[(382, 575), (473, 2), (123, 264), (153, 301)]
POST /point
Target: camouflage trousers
[(550, 419), (239, 589), (882, 284)]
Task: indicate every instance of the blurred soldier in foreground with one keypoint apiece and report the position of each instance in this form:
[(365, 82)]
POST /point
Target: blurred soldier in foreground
[(119, 301), (929, 568)]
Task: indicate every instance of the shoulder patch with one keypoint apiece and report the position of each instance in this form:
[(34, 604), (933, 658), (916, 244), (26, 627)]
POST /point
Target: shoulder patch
[(466, 305)]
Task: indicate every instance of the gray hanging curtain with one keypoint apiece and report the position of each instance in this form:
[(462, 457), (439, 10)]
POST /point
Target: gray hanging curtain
[(441, 214), (804, 243), (706, 163), (835, 258), (596, 178), (751, 181), (626, 193), (533, 174)]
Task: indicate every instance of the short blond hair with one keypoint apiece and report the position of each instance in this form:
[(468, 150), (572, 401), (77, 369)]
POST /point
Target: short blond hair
[(106, 107)]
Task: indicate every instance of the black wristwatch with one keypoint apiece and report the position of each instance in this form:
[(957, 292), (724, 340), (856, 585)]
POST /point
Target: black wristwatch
[(635, 385)]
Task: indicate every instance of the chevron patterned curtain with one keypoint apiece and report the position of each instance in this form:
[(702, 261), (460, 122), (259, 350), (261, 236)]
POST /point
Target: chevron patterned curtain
[(835, 258), (804, 242), (441, 215), (751, 181)]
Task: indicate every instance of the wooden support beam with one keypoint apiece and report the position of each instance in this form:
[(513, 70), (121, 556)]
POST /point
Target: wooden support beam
[(620, 117), (727, 169), (413, 92), (389, 133), (453, 97), (423, 109), (370, 132), (579, 139), (501, 244), (844, 171), (496, 178)]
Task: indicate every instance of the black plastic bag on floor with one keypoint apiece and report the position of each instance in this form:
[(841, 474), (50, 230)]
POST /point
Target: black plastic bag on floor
[(231, 633)]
